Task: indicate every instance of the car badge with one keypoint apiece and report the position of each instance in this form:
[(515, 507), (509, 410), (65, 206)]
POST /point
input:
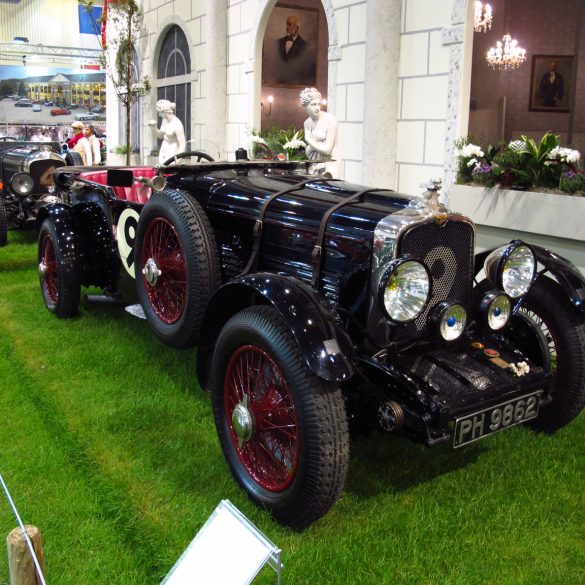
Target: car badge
[(491, 353), (441, 218)]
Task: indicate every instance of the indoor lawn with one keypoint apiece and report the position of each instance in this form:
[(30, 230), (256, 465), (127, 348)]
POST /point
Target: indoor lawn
[(108, 445)]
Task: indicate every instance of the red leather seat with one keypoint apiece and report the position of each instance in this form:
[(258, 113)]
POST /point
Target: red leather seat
[(138, 193)]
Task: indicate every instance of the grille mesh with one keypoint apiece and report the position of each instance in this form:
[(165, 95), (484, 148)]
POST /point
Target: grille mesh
[(448, 252)]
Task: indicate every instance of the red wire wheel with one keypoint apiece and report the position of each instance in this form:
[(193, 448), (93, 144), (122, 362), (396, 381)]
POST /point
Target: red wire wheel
[(59, 274), (163, 253), (177, 266), (282, 430), (49, 270), (261, 417)]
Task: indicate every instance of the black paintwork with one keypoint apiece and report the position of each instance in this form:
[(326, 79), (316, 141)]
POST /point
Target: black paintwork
[(331, 318)]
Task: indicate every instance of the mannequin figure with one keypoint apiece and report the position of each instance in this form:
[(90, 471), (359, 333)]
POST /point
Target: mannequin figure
[(320, 133), (171, 131)]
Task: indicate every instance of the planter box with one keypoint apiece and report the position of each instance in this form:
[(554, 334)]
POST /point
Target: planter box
[(549, 220), (119, 160), (527, 211)]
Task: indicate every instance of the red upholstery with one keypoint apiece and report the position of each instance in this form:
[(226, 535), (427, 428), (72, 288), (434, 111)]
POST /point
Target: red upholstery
[(138, 193)]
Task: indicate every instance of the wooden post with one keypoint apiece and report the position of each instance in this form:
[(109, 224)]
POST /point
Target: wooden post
[(20, 562)]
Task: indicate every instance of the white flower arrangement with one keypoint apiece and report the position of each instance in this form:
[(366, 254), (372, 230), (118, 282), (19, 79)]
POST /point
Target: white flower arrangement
[(257, 139), (294, 144), (567, 155), (471, 150)]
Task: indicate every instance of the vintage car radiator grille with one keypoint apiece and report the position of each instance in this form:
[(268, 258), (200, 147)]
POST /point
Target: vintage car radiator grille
[(448, 251)]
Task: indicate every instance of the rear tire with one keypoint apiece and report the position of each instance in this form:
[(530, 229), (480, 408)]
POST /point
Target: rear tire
[(551, 332), (60, 287), (283, 431), (177, 266), (3, 225)]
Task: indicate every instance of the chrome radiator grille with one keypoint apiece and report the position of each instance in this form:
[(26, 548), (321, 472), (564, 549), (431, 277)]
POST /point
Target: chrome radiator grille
[(448, 252)]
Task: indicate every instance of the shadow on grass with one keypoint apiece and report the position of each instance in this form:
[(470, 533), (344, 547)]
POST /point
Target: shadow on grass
[(384, 463)]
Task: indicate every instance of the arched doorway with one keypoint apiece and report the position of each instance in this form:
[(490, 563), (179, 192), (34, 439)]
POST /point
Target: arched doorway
[(294, 56)]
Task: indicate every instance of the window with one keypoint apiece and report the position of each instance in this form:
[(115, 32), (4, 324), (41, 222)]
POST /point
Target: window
[(174, 75)]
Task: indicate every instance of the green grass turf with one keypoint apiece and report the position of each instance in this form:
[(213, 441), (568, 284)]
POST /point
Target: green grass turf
[(108, 446)]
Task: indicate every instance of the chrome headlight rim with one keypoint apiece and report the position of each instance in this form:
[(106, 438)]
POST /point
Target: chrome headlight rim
[(487, 303), (387, 273), (497, 263), (440, 316), (20, 180)]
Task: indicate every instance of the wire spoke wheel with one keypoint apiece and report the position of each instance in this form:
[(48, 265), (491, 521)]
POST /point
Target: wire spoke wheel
[(59, 274), (550, 331), (168, 294), (254, 382), (49, 270), (177, 266), (283, 430)]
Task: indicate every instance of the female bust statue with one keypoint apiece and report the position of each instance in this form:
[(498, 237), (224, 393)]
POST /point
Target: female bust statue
[(320, 132), (171, 131)]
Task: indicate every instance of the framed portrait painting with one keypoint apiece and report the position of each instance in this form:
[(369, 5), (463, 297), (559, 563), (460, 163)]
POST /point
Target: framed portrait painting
[(291, 42), (550, 83)]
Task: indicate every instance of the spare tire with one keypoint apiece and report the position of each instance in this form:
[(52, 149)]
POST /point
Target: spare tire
[(3, 225), (177, 266)]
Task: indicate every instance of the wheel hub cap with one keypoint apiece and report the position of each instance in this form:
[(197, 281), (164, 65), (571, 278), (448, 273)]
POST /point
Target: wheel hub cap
[(151, 272), (42, 269), (243, 421)]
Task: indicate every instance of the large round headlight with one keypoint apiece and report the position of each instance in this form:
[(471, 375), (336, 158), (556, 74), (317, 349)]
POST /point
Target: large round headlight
[(449, 320), (511, 269), (404, 290), (495, 309), (22, 183)]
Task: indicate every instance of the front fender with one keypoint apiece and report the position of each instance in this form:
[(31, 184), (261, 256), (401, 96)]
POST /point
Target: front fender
[(322, 341), (566, 273)]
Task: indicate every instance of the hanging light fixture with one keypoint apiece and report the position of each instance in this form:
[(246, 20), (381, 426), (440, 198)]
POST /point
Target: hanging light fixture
[(506, 55), (482, 19)]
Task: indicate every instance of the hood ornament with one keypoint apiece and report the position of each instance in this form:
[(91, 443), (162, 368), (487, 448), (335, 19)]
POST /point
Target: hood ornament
[(429, 202)]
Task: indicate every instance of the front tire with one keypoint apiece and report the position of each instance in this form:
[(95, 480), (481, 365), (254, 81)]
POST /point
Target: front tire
[(551, 332), (60, 286), (283, 431), (177, 266), (3, 224)]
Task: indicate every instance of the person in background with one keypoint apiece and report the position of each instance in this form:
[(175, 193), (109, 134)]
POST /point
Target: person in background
[(77, 135), (89, 147)]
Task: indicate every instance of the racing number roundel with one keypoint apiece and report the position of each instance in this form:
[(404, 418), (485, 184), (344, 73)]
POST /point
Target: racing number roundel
[(126, 236)]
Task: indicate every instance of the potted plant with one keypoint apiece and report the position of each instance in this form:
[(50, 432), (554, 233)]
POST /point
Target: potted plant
[(276, 142), (528, 186)]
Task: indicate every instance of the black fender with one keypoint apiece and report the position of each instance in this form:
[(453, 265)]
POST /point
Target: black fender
[(86, 240), (566, 273), (322, 341), (67, 234)]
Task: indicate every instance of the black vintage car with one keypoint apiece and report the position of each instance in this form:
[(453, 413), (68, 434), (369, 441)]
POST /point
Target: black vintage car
[(26, 181), (319, 307)]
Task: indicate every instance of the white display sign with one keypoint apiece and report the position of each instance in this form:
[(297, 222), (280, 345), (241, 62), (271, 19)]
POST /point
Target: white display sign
[(228, 550)]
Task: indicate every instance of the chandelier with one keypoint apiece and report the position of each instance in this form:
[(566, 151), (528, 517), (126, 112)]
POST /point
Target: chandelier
[(507, 55), (482, 19)]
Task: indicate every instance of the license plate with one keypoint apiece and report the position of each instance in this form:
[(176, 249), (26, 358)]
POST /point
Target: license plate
[(478, 425)]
